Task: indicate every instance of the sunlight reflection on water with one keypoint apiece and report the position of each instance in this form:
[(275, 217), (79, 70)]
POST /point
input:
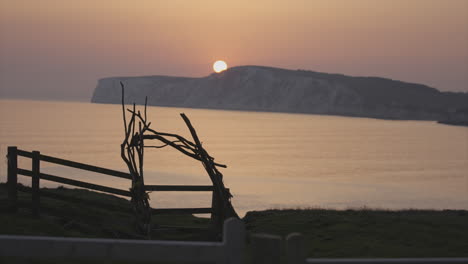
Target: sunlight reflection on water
[(274, 160)]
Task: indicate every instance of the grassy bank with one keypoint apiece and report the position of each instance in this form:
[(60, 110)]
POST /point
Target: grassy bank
[(95, 215), (369, 233), (328, 233)]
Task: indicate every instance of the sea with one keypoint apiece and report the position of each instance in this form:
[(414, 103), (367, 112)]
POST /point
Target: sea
[(274, 160)]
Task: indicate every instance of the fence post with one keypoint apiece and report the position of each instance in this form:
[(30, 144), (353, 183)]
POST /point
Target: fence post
[(216, 219), (35, 182), (233, 240), (12, 179), (266, 249), (295, 249)]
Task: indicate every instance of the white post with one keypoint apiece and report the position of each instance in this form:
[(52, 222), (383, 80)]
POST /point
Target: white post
[(266, 249), (233, 241), (295, 249)]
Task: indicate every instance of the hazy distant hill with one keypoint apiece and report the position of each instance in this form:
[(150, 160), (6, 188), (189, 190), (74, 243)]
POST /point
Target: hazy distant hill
[(257, 88)]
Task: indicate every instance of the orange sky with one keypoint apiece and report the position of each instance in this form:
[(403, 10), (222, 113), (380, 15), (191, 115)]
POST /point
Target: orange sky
[(58, 49)]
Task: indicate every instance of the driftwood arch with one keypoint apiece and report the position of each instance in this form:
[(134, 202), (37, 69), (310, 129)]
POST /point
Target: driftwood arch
[(137, 132)]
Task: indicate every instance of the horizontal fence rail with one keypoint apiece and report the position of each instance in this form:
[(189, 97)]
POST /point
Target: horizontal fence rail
[(77, 165), (229, 251), (182, 211), (187, 188), (36, 175), (92, 186)]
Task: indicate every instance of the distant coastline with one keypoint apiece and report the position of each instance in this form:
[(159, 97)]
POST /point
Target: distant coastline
[(267, 89), (453, 123)]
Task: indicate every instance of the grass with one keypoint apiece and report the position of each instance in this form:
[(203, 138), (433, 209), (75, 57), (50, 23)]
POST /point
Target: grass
[(97, 215), (328, 233), (369, 233)]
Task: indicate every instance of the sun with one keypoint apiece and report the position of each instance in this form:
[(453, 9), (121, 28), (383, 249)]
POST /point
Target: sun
[(219, 66)]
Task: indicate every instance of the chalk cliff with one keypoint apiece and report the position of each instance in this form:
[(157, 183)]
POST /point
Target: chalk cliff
[(258, 88)]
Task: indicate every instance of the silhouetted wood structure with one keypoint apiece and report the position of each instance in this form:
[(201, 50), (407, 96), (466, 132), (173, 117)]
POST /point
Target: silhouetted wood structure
[(36, 176), (137, 132), (132, 151)]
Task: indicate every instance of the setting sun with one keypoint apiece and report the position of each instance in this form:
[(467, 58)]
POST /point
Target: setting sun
[(219, 66)]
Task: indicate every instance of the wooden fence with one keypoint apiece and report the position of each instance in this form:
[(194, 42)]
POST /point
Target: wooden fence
[(229, 251), (36, 175), (269, 249)]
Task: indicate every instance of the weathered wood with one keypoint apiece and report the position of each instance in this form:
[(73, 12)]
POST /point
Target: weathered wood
[(217, 210), (132, 153), (35, 182), (12, 178), (182, 211), (24, 153), (216, 178), (186, 147), (77, 183), (133, 146), (77, 165), (186, 188)]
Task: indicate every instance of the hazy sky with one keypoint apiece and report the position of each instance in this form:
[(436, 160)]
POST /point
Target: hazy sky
[(58, 49)]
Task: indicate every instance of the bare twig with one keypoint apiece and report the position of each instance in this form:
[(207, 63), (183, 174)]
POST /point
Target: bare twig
[(132, 152), (123, 109)]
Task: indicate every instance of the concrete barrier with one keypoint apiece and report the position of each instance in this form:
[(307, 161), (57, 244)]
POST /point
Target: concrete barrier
[(229, 251)]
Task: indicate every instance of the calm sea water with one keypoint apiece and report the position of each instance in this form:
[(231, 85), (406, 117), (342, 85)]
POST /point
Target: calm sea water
[(274, 160)]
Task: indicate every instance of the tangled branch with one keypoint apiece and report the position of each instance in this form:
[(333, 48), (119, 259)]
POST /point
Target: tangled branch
[(137, 130)]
